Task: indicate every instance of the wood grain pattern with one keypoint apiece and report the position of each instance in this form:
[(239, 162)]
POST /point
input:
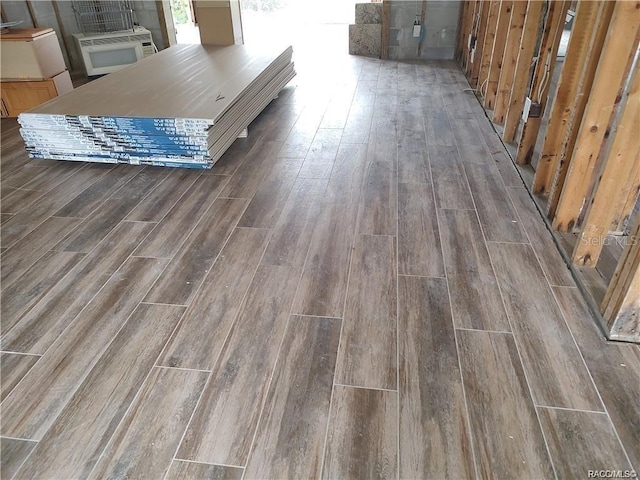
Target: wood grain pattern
[(508, 442), (293, 233), (379, 201), (368, 348), (551, 261), (345, 183), (34, 284), (431, 398), (67, 449), (266, 205), (16, 260), (247, 178), (162, 199), (181, 470), (362, 435), (31, 408), (449, 180), (324, 278), (14, 453), (322, 153), (14, 367), (290, 438), (419, 249), (137, 451), (497, 215), (224, 423), (39, 328), (413, 158), (169, 234), (475, 296), (102, 220), (580, 442), (545, 342), (199, 338), (358, 124), (615, 368), (184, 274)]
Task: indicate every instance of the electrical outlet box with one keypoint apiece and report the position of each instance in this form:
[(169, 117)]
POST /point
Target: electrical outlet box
[(531, 109), (526, 108), (473, 55), (416, 30)]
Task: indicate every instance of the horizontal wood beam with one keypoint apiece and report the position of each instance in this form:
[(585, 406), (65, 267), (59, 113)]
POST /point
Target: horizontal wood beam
[(509, 61), (523, 68), (497, 52), (545, 66), (589, 29), (620, 175), (612, 71)]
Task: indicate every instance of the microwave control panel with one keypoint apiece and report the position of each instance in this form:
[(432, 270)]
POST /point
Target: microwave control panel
[(147, 49)]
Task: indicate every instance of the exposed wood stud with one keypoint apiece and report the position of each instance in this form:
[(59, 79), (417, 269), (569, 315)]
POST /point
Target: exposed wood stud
[(386, 15), (509, 60), (479, 45), (613, 68), (590, 26), (543, 74), (504, 17), (473, 31), (462, 30), (620, 175), (487, 47), (423, 13)]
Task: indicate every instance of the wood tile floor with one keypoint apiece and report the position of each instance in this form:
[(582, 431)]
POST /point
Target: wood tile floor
[(362, 288)]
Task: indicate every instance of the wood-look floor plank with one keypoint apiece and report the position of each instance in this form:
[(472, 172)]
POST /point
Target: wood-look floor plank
[(36, 282), (169, 234), (345, 183), (362, 435), (18, 259), (322, 153), (14, 367), (300, 137), (368, 348), (507, 169), (449, 181), (413, 158), (267, 203), (40, 327), (181, 470), (335, 116), (34, 177), (358, 124), (235, 155), (137, 451), (5, 217), (580, 442), (554, 366), (70, 450), (15, 200), (465, 130), (32, 407), (506, 435), (324, 279), (14, 453), (497, 214), (199, 338), (379, 201), (246, 179), (91, 198), (294, 230), (438, 128), (114, 209), (475, 296), (224, 423), (162, 199), (290, 437), (614, 366), (434, 434), (552, 263), (419, 249), (182, 278)]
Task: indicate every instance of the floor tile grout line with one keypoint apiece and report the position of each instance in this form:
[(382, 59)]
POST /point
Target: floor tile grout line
[(466, 329), (166, 367), (142, 302), (18, 438), (314, 316), (21, 353), (565, 409), (362, 387), (207, 463), (470, 437), (396, 263), (515, 340)]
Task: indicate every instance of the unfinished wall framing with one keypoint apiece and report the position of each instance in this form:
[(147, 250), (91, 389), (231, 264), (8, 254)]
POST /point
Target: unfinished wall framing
[(587, 176)]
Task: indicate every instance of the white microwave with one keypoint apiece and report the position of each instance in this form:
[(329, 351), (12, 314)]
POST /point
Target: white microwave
[(108, 52)]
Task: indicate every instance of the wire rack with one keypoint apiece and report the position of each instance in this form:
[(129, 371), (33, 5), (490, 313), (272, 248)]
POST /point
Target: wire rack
[(104, 16)]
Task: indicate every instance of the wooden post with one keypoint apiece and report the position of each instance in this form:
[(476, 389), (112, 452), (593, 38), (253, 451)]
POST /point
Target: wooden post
[(423, 14), (621, 304), (620, 175), (589, 28), (487, 47), (613, 68), (522, 69), (386, 14), (468, 28), (473, 23), (479, 46), (462, 32), (504, 17), (542, 76), (509, 60)]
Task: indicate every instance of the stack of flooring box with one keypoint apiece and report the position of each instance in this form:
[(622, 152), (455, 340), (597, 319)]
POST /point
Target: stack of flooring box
[(181, 107)]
